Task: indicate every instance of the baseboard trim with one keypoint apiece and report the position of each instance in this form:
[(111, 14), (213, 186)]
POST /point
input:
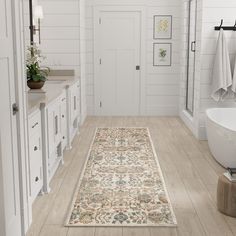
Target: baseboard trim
[(188, 121)]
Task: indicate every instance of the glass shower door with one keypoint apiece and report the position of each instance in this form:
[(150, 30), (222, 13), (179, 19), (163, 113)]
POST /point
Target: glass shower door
[(191, 55)]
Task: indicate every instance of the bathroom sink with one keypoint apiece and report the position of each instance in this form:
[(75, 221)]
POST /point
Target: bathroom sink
[(55, 81), (34, 97)]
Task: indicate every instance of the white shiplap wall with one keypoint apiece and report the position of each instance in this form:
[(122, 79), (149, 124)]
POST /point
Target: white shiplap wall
[(213, 12), (61, 34), (210, 12), (83, 58), (162, 83)]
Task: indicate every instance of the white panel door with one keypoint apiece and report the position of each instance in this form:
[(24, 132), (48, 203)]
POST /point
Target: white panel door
[(10, 223), (118, 78)]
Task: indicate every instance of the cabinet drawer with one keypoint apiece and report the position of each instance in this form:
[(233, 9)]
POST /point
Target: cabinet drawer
[(36, 177), (35, 123), (63, 111), (63, 98), (74, 103)]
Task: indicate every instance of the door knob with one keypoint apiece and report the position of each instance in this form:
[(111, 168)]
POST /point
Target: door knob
[(15, 109)]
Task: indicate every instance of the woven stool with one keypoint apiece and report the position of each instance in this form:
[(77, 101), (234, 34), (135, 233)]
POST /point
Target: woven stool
[(226, 196)]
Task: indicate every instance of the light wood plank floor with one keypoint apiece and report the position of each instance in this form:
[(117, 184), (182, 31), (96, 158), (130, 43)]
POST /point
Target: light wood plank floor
[(189, 170)]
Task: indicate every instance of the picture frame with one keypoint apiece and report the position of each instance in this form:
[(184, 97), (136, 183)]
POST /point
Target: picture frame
[(162, 27), (162, 54)]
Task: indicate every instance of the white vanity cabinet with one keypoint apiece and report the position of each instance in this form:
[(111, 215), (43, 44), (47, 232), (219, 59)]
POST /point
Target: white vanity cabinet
[(60, 118), (35, 154), (53, 128), (73, 96)]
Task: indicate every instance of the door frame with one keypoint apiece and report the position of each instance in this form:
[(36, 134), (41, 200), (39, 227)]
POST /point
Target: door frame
[(17, 28), (188, 57), (142, 87), (22, 116)]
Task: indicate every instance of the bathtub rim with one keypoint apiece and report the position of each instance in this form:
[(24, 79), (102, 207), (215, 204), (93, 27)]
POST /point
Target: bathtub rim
[(208, 116)]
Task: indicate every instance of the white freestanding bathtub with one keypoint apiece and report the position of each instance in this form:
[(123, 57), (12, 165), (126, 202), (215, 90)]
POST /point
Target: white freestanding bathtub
[(221, 133)]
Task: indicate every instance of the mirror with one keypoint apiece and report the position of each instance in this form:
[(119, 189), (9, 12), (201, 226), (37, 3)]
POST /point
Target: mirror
[(59, 33), (33, 16)]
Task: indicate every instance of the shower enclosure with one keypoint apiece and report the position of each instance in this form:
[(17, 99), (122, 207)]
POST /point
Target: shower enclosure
[(192, 19)]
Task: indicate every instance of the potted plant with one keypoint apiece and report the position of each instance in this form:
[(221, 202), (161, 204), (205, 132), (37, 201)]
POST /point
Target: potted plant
[(36, 75)]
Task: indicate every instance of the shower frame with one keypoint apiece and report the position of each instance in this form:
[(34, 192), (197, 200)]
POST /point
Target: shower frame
[(190, 48)]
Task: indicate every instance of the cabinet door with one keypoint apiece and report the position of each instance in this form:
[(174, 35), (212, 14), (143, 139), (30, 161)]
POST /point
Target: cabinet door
[(36, 180), (57, 124), (78, 103), (50, 131), (74, 103), (54, 126)]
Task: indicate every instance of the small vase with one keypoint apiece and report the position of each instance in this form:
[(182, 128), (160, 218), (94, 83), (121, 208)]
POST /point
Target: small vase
[(35, 84)]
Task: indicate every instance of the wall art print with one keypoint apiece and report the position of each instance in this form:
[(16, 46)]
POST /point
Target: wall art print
[(162, 27), (162, 54)]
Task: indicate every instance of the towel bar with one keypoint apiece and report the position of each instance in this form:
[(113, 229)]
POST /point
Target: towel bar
[(225, 27)]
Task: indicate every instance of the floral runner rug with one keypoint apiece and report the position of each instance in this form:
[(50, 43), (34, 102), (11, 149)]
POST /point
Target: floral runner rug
[(122, 183)]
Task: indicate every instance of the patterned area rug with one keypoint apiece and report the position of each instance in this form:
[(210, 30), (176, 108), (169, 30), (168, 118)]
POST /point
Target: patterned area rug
[(122, 183)]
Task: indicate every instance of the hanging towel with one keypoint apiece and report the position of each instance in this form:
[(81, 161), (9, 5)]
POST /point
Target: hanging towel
[(234, 79), (222, 75)]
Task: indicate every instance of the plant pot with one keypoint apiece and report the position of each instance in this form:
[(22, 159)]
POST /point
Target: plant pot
[(35, 84)]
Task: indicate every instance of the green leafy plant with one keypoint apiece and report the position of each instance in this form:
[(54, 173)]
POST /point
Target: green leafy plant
[(34, 71)]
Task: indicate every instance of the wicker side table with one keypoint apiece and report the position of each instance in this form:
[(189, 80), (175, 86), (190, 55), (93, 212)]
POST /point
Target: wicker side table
[(226, 196)]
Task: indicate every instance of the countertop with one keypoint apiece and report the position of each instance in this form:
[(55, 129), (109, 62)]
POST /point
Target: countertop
[(52, 89)]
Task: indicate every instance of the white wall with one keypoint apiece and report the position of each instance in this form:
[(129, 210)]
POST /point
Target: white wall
[(162, 83), (83, 58), (61, 34), (210, 12), (213, 12)]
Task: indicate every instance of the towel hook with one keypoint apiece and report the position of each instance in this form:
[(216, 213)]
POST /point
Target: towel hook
[(235, 26), (221, 23)]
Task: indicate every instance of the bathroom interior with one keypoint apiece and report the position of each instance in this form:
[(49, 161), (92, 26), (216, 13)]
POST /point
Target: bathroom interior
[(118, 117)]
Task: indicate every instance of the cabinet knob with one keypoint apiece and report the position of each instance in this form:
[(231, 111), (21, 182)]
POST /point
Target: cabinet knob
[(37, 179), (63, 137), (63, 116), (35, 148), (35, 125)]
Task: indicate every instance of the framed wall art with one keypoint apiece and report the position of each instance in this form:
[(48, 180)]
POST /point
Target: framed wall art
[(162, 53), (162, 27)]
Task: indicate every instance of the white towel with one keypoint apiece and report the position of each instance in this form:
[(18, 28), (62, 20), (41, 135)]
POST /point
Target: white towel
[(234, 79), (222, 75)]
